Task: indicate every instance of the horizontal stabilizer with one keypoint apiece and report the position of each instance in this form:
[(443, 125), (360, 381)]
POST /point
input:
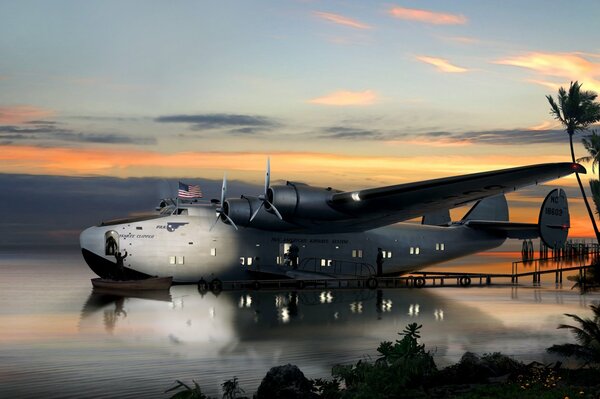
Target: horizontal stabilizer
[(521, 231), (552, 227)]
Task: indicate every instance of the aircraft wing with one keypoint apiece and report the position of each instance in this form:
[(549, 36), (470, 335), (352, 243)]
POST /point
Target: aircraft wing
[(380, 206)]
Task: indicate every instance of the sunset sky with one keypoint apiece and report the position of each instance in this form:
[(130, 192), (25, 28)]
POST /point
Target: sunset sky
[(349, 94)]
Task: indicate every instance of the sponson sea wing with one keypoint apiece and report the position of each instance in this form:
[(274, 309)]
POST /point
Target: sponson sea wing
[(375, 207)]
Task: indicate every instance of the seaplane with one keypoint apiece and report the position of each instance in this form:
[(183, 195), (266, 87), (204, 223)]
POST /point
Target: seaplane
[(298, 231)]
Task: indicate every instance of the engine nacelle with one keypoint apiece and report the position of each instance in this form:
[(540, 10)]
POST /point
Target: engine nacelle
[(302, 201), (240, 210)]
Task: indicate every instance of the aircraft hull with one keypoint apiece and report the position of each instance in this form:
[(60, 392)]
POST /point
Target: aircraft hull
[(185, 247)]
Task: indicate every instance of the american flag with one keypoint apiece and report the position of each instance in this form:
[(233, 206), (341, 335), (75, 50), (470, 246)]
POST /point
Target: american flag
[(189, 191)]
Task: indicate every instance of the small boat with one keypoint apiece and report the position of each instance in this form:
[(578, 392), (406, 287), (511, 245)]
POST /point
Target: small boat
[(152, 283)]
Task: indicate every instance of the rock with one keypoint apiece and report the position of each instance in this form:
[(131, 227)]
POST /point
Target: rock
[(285, 382), (472, 369)]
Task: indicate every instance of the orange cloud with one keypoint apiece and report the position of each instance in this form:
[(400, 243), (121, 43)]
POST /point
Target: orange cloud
[(438, 142), (544, 126), (441, 64), (341, 20), (568, 66), (349, 171), (14, 115), (347, 98), (461, 39), (551, 85), (429, 17)]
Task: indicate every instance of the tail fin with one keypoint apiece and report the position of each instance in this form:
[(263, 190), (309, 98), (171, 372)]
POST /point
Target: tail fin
[(552, 227), (492, 208), (554, 220)]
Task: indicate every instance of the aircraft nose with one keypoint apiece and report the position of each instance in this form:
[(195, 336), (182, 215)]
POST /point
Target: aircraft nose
[(89, 239)]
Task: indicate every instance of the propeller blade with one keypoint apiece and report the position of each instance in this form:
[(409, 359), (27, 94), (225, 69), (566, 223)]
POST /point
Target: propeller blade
[(216, 221), (256, 211), (274, 209), (229, 220), (224, 188), (268, 176)]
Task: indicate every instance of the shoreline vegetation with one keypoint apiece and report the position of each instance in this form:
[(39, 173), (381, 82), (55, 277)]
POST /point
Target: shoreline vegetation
[(405, 369)]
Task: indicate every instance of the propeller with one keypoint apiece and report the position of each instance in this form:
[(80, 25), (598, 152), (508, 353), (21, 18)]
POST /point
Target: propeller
[(221, 207), (263, 197)]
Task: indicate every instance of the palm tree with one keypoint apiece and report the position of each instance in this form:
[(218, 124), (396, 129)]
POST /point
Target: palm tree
[(592, 145), (576, 110), (588, 336)]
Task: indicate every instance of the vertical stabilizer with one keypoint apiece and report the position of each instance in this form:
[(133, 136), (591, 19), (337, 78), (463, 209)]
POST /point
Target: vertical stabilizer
[(437, 218), (492, 208), (554, 220)]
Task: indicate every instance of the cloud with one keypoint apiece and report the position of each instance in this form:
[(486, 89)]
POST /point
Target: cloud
[(461, 39), (95, 118), (251, 123), (550, 85), (441, 64), (289, 165), (346, 98), (544, 126), (566, 66), (341, 20), (544, 133), (426, 16), (508, 137), (343, 132), (48, 132), (14, 115)]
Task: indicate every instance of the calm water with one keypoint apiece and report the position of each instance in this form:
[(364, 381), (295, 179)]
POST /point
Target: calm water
[(61, 339)]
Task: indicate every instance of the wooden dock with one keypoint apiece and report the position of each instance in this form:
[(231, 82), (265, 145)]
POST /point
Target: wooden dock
[(578, 257)]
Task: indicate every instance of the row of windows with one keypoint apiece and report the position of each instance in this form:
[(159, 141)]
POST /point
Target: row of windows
[(176, 260), (356, 253), (246, 261), (439, 246)]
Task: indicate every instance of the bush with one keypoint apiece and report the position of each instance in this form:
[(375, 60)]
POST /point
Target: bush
[(401, 371)]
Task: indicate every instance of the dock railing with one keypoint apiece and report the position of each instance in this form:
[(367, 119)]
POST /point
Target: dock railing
[(336, 266)]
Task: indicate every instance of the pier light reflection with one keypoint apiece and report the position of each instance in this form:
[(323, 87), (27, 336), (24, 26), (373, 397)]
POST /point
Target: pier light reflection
[(386, 305), (413, 310), (356, 307), (279, 301), (245, 301), (439, 314), (326, 297), (284, 315)]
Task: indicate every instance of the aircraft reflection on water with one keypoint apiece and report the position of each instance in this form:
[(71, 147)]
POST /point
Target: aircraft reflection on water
[(244, 311), (304, 324)]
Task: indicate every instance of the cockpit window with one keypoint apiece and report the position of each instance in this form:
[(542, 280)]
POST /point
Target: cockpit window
[(168, 210)]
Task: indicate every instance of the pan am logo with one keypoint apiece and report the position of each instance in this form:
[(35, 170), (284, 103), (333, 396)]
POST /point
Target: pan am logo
[(174, 226)]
